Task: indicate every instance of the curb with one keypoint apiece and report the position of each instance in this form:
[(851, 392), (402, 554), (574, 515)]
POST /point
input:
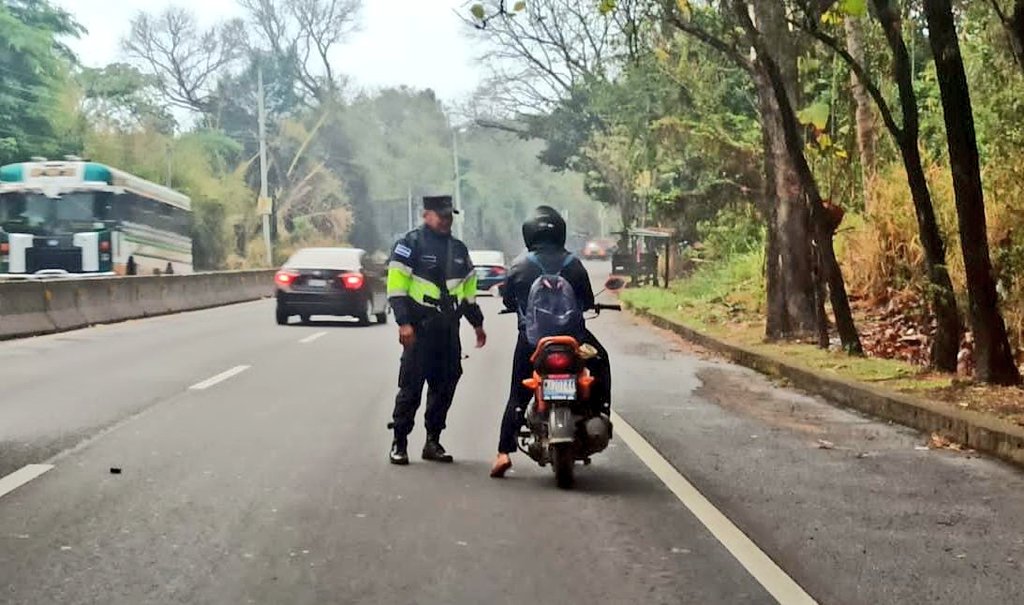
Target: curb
[(983, 433)]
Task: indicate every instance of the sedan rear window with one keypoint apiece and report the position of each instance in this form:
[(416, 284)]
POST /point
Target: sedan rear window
[(491, 258), (341, 259)]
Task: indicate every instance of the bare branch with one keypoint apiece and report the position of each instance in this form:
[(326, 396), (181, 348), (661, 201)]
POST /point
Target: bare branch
[(808, 26), (185, 61), (553, 44), (502, 126), (702, 35), (304, 33)]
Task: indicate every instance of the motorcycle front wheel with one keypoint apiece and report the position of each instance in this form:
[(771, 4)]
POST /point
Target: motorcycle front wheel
[(563, 459)]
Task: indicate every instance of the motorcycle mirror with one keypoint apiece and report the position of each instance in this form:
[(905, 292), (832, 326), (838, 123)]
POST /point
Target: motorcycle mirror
[(615, 283)]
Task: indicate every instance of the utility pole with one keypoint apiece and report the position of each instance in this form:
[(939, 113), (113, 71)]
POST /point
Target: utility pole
[(265, 203), (411, 219), (458, 182), (170, 162)]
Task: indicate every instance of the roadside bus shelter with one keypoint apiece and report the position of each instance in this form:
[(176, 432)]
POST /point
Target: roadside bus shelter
[(637, 255)]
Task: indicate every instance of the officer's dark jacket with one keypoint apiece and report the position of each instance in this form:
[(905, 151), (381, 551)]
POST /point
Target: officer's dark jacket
[(524, 272), (418, 279)]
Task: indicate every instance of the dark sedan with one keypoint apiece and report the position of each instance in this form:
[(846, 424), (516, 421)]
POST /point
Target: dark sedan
[(491, 270), (331, 281)]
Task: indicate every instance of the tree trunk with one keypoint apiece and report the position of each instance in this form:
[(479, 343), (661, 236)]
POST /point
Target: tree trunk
[(1015, 29), (794, 145), (949, 328), (794, 281), (777, 324), (993, 356), (865, 114), (1013, 25), (790, 229)]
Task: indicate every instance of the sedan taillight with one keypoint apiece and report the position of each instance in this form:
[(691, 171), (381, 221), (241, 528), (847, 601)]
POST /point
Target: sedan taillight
[(285, 278), (353, 281)]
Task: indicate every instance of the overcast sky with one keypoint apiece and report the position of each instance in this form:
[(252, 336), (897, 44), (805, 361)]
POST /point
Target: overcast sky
[(420, 43)]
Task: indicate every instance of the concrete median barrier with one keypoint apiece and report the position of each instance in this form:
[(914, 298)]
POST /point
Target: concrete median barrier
[(23, 310), (62, 304), (39, 307)]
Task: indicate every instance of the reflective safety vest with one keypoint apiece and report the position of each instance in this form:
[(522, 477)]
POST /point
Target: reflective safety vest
[(431, 275)]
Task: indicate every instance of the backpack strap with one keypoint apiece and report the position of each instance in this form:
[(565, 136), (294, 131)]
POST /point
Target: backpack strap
[(533, 258)]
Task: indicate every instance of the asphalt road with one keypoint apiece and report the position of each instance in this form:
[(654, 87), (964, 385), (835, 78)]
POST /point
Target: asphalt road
[(269, 483)]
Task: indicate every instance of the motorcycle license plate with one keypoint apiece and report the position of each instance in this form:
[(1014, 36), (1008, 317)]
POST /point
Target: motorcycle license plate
[(561, 388), (317, 283)]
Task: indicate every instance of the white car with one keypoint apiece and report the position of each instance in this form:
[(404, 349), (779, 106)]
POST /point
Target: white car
[(491, 270)]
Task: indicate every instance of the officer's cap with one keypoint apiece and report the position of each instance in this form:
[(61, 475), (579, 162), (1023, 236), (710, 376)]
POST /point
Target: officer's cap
[(439, 203)]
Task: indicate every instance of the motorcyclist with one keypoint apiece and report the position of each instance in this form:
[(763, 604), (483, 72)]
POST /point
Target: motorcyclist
[(544, 235)]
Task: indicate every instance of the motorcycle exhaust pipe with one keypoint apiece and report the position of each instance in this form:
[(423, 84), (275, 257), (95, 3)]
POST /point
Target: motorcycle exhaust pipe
[(599, 433)]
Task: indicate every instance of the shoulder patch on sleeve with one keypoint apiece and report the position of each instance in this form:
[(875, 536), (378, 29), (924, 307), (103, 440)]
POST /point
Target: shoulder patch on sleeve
[(403, 251)]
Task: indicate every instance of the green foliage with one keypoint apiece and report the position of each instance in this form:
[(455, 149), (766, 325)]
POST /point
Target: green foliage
[(815, 114), (854, 8), (209, 245), (727, 290), (121, 97), (732, 232), (34, 89)]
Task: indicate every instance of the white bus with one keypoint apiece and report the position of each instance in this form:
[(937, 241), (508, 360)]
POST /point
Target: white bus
[(80, 217)]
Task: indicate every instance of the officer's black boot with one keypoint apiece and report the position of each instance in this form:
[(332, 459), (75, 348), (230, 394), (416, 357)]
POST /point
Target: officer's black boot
[(399, 452), (434, 451)]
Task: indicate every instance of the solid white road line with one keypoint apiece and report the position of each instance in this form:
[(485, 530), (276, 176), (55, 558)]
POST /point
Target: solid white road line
[(22, 476), (312, 337), (219, 378), (785, 590)]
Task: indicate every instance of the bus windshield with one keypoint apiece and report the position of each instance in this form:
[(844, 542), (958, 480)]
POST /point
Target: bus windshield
[(40, 215)]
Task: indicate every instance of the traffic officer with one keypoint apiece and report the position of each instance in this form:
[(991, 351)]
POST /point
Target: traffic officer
[(431, 285)]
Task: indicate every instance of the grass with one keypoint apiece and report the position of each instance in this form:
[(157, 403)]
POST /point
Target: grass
[(718, 293), (726, 300)]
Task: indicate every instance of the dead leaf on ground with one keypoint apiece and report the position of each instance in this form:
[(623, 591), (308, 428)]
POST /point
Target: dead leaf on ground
[(938, 441)]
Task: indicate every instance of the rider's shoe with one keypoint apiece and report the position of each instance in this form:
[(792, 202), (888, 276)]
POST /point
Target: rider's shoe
[(501, 465)]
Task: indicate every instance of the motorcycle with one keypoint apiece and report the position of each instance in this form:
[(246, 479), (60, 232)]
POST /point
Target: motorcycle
[(562, 427)]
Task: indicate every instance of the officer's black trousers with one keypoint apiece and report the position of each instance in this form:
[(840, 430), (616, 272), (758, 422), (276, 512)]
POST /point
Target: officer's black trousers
[(519, 396), (435, 359)]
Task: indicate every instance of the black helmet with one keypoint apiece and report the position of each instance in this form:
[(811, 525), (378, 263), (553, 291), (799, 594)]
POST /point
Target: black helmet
[(545, 228)]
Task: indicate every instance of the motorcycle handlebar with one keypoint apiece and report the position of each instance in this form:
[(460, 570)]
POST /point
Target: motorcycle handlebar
[(597, 307)]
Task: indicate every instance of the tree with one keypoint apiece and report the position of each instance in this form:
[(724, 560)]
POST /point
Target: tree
[(302, 35), (795, 309), (540, 51), (121, 97), (1013, 24), (823, 224), (185, 60), (949, 328), (993, 355), (34, 78), (865, 114)]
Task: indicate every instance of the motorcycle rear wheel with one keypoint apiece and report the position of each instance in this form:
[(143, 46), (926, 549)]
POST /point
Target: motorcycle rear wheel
[(563, 461)]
